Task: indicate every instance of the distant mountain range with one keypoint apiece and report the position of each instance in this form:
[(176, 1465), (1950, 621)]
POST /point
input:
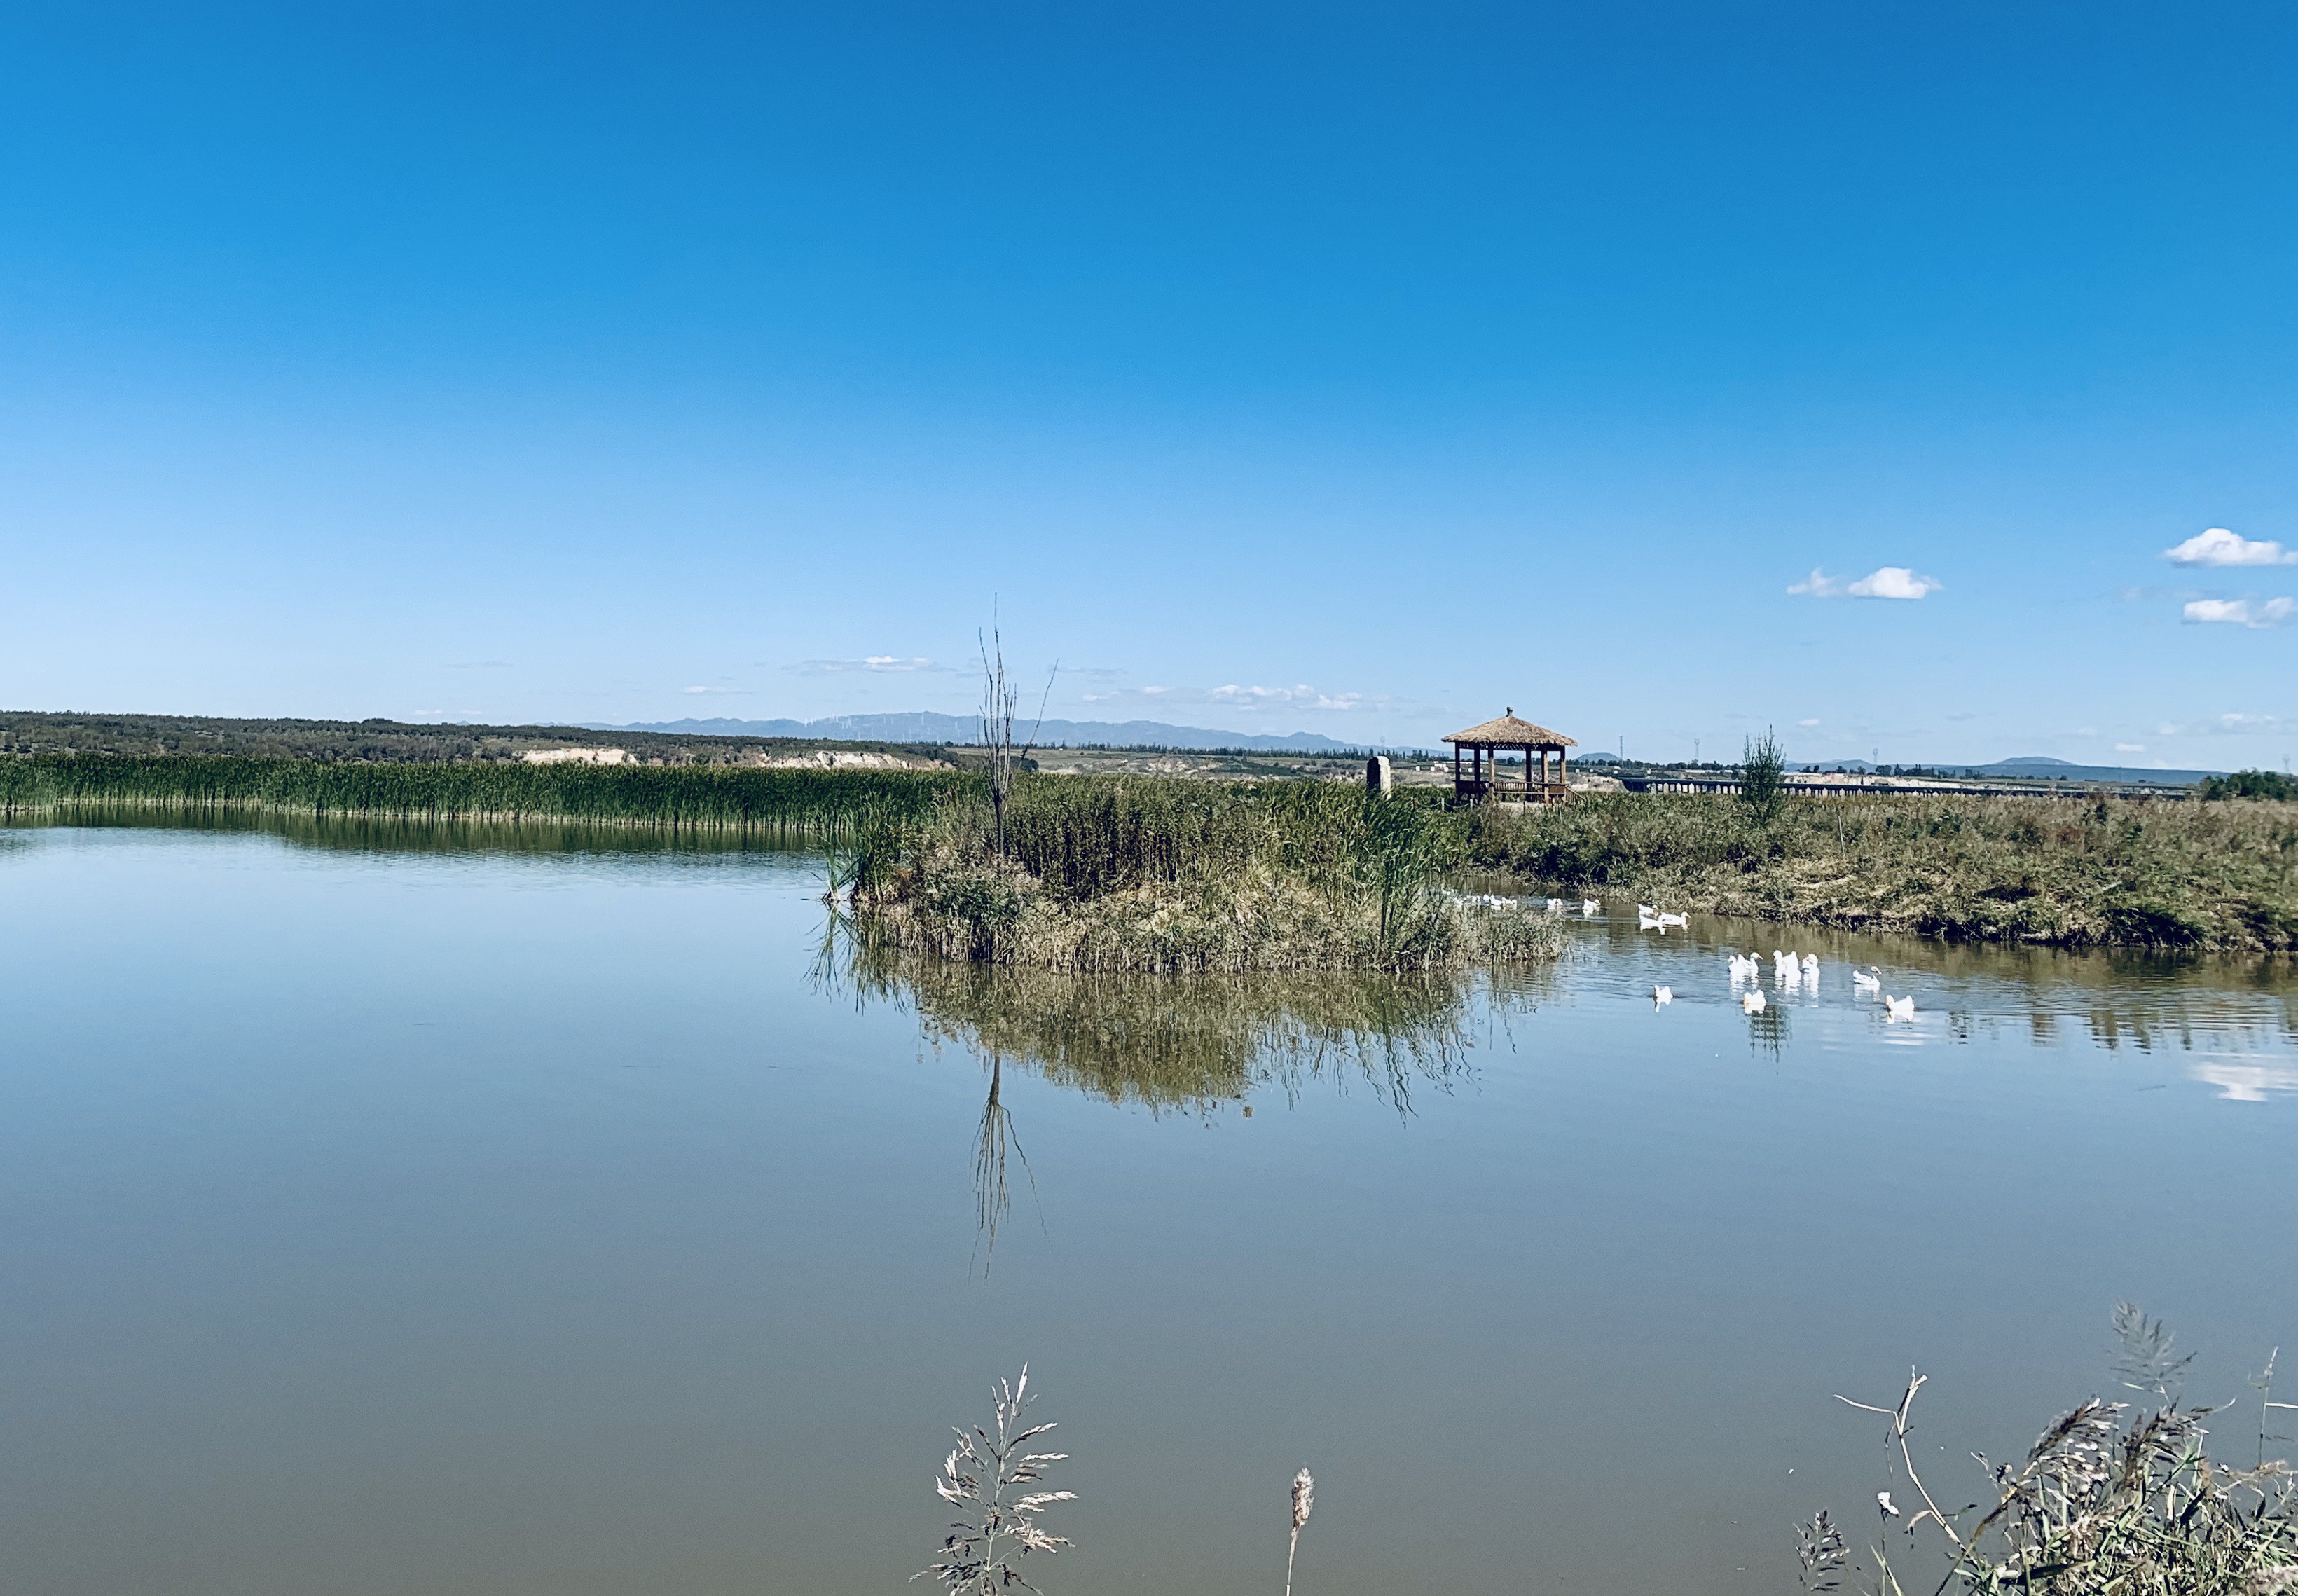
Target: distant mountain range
[(923, 726)]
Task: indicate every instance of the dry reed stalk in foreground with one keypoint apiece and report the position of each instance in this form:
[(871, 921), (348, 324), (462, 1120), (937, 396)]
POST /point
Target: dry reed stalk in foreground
[(1305, 1502), (2111, 1500), (997, 1527)]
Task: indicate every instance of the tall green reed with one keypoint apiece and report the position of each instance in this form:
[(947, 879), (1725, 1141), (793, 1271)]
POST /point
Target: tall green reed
[(672, 796)]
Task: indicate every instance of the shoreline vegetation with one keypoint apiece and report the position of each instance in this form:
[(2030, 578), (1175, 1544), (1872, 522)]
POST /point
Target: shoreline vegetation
[(816, 802), (1110, 875), (1151, 874), (2206, 877)]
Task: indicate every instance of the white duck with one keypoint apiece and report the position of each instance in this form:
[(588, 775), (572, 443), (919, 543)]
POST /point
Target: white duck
[(1900, 1008), (1589, 906), (1646, 909), (1753, 1002), (1677, 920), (1811, 966), (1661, 995), (1746, 966), (1869, 979), (1556, 905)]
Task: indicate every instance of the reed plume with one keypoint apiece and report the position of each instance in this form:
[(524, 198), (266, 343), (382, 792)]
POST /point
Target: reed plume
[(1305, 1502), (983, 1478)]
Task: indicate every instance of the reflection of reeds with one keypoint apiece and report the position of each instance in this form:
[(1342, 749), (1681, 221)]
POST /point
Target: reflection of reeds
[(992, 1196), (1180, 1041)]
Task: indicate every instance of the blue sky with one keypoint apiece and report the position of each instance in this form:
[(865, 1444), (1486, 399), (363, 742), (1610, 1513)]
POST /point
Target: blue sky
[(1356, 370)]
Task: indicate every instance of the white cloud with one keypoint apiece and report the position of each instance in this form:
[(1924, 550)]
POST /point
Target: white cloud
[(2216, 546), (1810, 722), (2241, 612), (731, 689), (872, 662), (2129, 747), (1885, 581), (1893, 581)]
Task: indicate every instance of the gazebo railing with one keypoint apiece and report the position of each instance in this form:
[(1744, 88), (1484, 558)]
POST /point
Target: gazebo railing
[(1508, 786)]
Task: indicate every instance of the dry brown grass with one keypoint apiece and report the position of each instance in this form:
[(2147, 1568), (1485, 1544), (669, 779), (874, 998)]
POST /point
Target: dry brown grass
[(2067, 872)]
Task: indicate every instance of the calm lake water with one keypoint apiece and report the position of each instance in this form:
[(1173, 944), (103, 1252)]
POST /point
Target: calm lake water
[(469, 1217)]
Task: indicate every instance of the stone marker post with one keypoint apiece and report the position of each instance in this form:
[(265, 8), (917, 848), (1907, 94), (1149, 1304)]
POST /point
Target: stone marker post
[(1376, 778)]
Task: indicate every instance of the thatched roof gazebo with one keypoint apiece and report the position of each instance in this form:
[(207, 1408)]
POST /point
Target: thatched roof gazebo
[(1481, 777)]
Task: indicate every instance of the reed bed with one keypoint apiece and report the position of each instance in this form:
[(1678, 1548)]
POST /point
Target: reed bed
[(2202, 876), (1120, 875), (674, 797)]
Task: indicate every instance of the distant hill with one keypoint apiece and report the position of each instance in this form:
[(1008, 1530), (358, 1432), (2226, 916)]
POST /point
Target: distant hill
[(2032, 767), (2039, 764), (922, 726)]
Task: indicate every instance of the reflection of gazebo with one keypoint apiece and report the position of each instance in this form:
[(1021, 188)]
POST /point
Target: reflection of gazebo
[(1483, 743)]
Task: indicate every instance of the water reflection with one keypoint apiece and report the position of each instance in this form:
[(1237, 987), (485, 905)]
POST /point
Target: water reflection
[(1187, 1043), (992, 1193), (2242, 1009), (1169, 1044), (2245, 1083)]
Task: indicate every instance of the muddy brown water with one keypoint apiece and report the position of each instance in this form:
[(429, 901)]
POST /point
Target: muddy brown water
[(398, 1211)]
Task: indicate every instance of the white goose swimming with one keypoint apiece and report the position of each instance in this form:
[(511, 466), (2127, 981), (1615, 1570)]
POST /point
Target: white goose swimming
[(1900, 1008), (1746, 966), (1589, 906), (1811, 966), (1869, 979), (1662, 994), (1753, 1002)]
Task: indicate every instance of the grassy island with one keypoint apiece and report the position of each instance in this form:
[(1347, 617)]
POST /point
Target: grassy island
[(1130, 875), (1110, 874)]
